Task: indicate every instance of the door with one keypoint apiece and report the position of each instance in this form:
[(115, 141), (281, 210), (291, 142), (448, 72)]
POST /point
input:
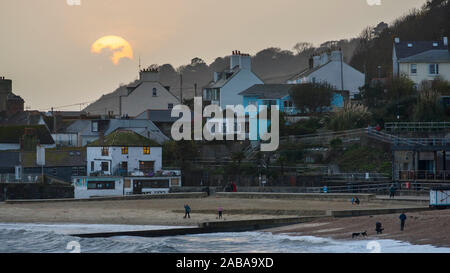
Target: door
[(137, 187)]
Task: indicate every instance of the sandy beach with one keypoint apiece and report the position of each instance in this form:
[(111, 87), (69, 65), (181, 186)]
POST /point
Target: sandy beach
[(422, 228), (429, 227), (168, 211)]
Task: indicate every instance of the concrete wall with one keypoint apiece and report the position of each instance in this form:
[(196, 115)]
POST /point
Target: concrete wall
[(306, 196), (15, 191)]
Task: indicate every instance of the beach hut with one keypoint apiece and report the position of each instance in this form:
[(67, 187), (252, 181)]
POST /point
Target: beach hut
[(440, 197)]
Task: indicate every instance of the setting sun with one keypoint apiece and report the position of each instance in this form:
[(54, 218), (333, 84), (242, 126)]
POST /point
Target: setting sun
[(120, 47)]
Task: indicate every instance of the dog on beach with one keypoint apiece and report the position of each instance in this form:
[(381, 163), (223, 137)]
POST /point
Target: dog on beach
[(357, 234)]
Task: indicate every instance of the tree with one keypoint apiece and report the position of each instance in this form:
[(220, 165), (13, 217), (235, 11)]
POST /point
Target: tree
[(429, 107), (302, 47), (312, 97)]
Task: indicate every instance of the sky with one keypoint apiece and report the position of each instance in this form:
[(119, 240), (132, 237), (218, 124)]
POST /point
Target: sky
[(46, 46)]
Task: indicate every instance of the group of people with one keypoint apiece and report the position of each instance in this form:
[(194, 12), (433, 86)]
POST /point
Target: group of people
[(379, 227), (187, 212)]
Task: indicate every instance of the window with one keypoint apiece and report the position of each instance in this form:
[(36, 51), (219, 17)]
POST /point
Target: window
[(124, 150), (413, 68), (155, 93), (54, 171), (105, 151), (92, 166), (74, 171), (124, 166), (146, 150), (95, 126), (101, 185), (146, 166), (434, 69), (105, 166), (170, 106)]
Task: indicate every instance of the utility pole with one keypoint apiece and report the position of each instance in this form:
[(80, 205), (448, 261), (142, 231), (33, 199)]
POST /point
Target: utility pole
[(342, 69), (195, 89)]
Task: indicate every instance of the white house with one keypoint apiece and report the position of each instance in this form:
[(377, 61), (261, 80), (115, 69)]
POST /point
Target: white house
[(124, 163), (421, 61), (330, 68), (225, 88), (133, 99), (124, 152)]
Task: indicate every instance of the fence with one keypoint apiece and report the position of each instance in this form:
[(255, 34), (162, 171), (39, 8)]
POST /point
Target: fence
[(26, 178)]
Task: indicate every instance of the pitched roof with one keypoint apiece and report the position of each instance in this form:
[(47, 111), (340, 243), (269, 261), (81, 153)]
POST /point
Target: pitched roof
[(224, 77), (403, 50), (67, 157), (268, 91), (308, 71), (435, 56), (126, 138), (23, 118), (13, 134)]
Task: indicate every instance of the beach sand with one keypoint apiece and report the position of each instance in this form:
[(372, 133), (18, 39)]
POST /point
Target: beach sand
[(422, 228), (165, 211), (431, 227)]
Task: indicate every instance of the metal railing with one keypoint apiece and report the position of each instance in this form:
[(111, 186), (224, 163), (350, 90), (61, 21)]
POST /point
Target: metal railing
[(417, 126), (424, 175), (26, 178)]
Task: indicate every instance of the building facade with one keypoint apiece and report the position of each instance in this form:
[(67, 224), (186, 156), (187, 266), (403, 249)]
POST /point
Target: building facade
[(225, 88), (421, 61), (330, 68)]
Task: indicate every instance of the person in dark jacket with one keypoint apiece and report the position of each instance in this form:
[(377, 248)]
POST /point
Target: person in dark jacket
[(392, 191), (187, 210), (402, 221), (379, 228)]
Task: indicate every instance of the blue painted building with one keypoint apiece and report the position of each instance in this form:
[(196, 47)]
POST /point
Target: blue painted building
[(279, 94)]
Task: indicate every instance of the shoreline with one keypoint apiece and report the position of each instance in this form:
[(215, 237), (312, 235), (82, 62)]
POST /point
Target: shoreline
[(422, 228)]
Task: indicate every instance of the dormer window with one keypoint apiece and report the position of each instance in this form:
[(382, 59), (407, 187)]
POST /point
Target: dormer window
[(155, 93)]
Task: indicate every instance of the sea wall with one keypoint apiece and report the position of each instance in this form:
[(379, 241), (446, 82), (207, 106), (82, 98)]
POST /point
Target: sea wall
[(15, 191)]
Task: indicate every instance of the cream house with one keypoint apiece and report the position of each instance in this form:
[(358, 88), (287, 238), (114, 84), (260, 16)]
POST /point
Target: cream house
[(422, 61)]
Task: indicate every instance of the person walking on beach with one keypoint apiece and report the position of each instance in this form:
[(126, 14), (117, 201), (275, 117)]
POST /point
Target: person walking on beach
[(379, 228), (402, 221), (220, 211), (187, 210), (392, 191)]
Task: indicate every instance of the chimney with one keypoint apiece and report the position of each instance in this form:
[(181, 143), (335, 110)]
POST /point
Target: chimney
[(316, 61), (149, 75), (397, 40), (101, 138), (336, 56), (324, 58), (216, 76), (245, 62), (235, 59)]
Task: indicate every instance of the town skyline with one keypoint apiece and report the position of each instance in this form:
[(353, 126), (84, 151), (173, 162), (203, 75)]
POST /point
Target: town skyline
[(59, 69)]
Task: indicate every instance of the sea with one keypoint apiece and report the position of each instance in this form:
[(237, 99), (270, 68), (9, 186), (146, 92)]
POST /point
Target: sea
[(55, 238)]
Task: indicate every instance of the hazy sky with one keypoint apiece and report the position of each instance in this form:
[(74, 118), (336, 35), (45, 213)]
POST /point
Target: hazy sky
[(45, 45)]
